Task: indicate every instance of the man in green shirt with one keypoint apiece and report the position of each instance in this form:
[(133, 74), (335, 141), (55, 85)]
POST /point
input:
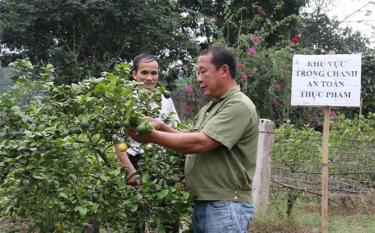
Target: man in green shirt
[(221, 149)]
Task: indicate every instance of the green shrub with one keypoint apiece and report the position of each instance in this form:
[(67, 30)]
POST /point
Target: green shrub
[(58, 169)]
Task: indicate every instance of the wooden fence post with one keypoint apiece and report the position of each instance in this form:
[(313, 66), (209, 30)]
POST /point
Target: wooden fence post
[(262, 177)]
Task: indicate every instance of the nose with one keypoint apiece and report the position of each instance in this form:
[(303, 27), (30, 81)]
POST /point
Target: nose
[(199, 78), (149, 77)]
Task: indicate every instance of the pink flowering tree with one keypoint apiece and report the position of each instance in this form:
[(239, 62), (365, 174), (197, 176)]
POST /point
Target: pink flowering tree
[(264, 74), (188, 98)]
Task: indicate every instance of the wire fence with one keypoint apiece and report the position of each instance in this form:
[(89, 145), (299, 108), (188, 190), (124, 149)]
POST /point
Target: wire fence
[(351, 172)]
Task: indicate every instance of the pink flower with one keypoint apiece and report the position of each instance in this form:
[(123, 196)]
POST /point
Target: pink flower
[(189, 89), (244, 76), (295, 38), (252, 51), (255, 39), (275, 103), (333, 114), (189, 107), (240, 66), (278, 87)]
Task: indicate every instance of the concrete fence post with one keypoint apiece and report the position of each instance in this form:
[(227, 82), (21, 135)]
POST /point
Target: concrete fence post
[(262, 177)]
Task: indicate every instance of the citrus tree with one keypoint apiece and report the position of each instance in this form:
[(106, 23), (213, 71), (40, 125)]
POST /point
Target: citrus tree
[(58, 169)]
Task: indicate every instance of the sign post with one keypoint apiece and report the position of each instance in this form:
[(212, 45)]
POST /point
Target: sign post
[(325, 192), (326, 80)]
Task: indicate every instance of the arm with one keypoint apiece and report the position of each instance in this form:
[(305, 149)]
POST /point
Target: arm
[(130, 170), (196, 142)]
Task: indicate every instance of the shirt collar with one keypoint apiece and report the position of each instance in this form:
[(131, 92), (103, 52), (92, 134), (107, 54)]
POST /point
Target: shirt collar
[(230, 92)]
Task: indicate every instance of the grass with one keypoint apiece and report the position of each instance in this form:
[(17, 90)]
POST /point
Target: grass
[(306, 218)]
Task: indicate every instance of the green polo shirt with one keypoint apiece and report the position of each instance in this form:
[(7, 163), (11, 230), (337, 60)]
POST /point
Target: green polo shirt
[(225, 173)]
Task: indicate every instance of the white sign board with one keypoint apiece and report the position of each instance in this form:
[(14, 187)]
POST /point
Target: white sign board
[(326, 80)]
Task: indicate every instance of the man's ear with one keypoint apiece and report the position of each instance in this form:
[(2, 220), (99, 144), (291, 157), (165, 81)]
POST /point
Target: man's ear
[(134, 75), (225, 70)]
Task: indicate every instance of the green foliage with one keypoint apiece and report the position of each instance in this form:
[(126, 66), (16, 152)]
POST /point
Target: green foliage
[(296, 148), (58, 169), (300, 148), (296, 157), (83, 38), (351, 146), (5, 79), (265, 76)]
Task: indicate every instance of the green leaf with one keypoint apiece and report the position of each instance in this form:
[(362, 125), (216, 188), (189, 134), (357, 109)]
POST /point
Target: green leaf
[(64, 195), (134, 208), (160, 195), (145, 178), (7, 102), (82, 210), (73, 177), (37, 177), (59, 142), (115, 172), (186, 195), (100, 88)]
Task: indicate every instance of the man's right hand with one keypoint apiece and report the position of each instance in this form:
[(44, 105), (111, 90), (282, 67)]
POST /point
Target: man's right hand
[(132, 178), (157, 123)]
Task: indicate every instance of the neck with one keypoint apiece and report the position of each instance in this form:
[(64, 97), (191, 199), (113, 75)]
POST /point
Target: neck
[(228, 85)]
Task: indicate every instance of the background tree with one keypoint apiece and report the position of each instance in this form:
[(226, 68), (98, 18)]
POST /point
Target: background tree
[(85, 37), (322, 34), (5, 81), (227, 20)]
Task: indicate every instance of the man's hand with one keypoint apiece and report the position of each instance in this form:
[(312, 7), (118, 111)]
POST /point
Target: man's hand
[(158, 124), (142, 138), (132, 178)]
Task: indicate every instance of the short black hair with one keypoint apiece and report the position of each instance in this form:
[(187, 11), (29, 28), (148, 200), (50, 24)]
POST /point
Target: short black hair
[(221, 56), (143, 56)]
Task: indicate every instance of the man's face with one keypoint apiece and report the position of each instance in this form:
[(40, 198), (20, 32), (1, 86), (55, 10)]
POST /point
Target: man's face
[(208, 76), (147, 73)]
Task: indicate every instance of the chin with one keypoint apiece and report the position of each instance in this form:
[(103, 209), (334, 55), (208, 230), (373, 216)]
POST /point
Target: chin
[(206, 94)]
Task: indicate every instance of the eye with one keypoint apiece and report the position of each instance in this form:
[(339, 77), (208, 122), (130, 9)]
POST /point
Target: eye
[(201, 71)]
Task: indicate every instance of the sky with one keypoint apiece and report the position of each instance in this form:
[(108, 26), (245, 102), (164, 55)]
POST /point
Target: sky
[(357, 14)]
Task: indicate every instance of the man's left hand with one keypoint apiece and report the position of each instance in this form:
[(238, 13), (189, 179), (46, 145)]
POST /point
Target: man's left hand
[(142, 138)]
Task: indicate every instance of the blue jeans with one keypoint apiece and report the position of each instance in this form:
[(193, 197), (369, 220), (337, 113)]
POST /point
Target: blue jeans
[(222, 216)]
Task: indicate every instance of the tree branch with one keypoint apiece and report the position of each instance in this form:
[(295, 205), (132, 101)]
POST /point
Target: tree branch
[(304, 190)]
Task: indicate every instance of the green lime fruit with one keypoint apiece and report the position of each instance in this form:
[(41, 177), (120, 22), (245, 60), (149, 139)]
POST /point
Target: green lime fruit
[(145, 127), (95, 138), (135, 120)]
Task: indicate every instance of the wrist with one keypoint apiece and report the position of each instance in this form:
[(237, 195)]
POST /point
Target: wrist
[(130, 170)]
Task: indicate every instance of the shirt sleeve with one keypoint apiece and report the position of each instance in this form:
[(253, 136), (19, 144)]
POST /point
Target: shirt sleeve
[(229, 124), (168, 111)]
